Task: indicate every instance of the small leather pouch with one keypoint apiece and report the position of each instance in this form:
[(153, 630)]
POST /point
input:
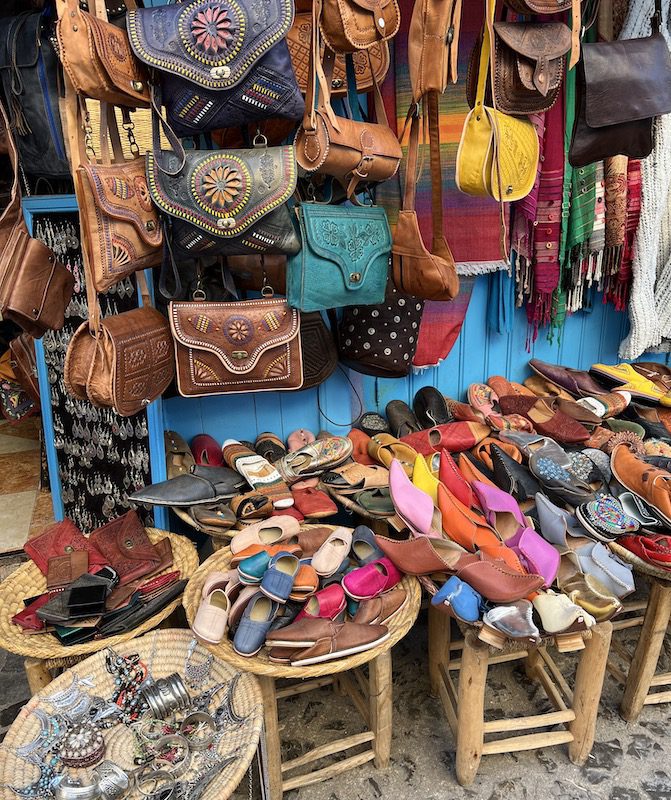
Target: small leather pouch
[(61, 539), (86, 597), (62, 570), (126, 546), (349, 25), (433, 46)]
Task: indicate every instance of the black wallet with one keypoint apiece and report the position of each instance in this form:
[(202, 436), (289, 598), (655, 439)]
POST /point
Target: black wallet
[(83, 598), (131, 616)]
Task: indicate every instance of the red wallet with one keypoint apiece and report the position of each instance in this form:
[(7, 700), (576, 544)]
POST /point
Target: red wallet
[(59, 540), (27, 618), (127, 548)]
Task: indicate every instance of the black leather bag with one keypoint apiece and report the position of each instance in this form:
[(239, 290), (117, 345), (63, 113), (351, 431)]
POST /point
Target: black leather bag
[(320, 357), (29, 72), (621, 87)]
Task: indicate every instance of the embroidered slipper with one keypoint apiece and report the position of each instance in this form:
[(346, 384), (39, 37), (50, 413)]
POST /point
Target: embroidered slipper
[(270, 447), (178, 455), (372, 423), (259, 473), (313, 459), (206, 451), (606, 520)]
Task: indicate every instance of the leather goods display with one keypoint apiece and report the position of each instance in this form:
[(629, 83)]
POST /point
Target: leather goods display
[(344, 259), (544, 7), (320, 356), (246, 346), (621, 87), (229, 202), (34, 288), (126, 546), (376, 58), (97, 57), (430, 275), (60, 540), (498, 154), (133, 615), (29, 73), (24, 364), (349, 25), (529, 59), (121, 230), (65, 569), (222, 63), (82, 599), (433, 45), (27, 618)]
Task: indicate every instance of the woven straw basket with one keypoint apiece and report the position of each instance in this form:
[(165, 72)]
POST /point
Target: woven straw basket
[(28, 581), (643, 567), (261, 664), (163, 652)]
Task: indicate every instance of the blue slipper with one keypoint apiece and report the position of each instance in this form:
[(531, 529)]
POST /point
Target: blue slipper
[(252, 569), (365, 548), (279, 578), (255, 623), (461, 600)]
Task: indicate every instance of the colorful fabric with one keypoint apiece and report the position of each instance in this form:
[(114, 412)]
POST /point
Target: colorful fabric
[(616, 220), (441, 325)]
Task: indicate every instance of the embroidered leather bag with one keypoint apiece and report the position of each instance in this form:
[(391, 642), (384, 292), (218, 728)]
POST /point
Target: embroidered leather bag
[(127, 548), (622, 86), (526, 7), (97, 58), (344, 260), (349, 25), (247, 346), (222, 63)]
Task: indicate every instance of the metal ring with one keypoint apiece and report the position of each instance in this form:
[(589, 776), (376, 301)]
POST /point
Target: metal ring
[(112, 780), (196, 720), (173, 740), (65, 790)]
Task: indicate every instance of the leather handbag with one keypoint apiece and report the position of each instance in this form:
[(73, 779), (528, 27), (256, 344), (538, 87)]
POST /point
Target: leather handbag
[(222, 63), (97, 58), (344, 259), (24, 364), (529, 60), (365, 68), (59, 540), (34, 288), (245, 346), (621, 87), (127, 548), (545, 7), (29, 72), (498, 153), (351, 151), (349, 25), (416, 271), (433, 44)]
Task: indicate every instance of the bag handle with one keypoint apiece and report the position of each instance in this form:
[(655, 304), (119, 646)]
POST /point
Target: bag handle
[(12, 212), (157, 122)]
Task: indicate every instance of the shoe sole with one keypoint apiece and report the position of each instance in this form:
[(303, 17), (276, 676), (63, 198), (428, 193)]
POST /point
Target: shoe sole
[(276, 598), (168, 504), (248, 580), (297, 645), (247, 655), (341, 653), (664, 518)]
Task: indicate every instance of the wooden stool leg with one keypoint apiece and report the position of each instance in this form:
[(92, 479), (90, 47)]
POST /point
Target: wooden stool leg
[(587, 691), (381, 707), (471, 709), (37, 674), (272, 734), (644, 663), (439, 647)]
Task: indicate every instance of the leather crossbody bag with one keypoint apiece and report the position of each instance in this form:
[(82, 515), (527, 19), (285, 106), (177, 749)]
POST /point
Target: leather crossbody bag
[(351, 151), (545, 7), (344, 259), (349, 25), (621, 87), (245, 346), (222, 63), (34, 288), (433, 45), (97, 57), (430, 275)]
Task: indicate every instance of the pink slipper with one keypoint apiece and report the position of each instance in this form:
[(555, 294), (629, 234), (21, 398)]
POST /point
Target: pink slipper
[(299, 439), (370, 581), (207, 451)]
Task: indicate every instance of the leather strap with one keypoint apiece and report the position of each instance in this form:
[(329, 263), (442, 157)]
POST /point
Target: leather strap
[(157, 122), (12, 212)]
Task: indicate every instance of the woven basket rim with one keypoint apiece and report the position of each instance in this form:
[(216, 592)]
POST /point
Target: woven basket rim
[(28, 581), (260, 664), (639, 564)]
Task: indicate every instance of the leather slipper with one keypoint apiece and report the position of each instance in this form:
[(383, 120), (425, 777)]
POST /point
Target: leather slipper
[(299, 438), (384, 448), (270, 447), (402, 420), (314, 459), (206, 451), (372, 423), (360, 441), (252, 505), (201, 485), (353, 477), (431, 408), (178, 455)]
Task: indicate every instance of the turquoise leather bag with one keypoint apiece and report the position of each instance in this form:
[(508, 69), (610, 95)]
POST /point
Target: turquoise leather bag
[(344, 260)]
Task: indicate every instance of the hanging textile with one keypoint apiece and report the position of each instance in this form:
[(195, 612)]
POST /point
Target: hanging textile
[(616, 221)]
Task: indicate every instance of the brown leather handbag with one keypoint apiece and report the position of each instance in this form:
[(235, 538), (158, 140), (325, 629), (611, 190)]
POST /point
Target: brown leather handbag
[(527, 7), (298, 40), (245, 346), (349, 25), (120, 225), (416, 271), (433, 44), (24, 364), (351, 151), (97, 57), (34, 288)]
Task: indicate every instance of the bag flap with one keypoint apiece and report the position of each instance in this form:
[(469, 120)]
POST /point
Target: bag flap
[(121, 191), (368, 137), (626, 80), (238, 334), (351, 237), (113, 49), (536, 40), (223, 192), (21, 40), (212, 43), (125, 538), (370, 5)]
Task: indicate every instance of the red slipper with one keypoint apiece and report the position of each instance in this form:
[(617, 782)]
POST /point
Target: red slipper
[(453, 437), (360, 452), (313, 503), (207, 451), (654, 548)]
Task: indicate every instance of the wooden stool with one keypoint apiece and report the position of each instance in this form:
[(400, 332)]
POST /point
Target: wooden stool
[(464, 705)]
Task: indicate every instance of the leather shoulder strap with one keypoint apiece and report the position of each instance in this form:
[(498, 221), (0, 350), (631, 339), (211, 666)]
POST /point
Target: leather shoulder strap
[(12, 211)]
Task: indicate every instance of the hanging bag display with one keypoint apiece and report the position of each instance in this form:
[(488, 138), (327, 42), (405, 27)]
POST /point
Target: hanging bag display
[(545, 7), (221, 63), (433, 45), (349, 25), (622, 86)]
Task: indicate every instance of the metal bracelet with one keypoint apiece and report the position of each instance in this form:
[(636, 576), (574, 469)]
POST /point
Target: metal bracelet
[(65, 790), (195, 722), (158, 785), (112, 780), (173, 740)]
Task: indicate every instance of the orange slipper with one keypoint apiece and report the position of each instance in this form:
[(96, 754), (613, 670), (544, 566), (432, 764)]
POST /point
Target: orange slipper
[(360, 442), (502, 386), (470, 471), (272, 550), (463, 525), (542, 387), (482, 451), (306, 583)]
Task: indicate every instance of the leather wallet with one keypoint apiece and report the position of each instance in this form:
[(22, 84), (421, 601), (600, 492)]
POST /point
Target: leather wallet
[(126, 546), (84, 598), (62, 570), (69, 636), (135, 614), (60, 540), (27, 618)]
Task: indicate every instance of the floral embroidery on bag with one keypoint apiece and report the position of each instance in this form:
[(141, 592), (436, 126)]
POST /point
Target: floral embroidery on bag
[(211, 29), (120, 188), (239, 330), (360, 238), (222, 185)]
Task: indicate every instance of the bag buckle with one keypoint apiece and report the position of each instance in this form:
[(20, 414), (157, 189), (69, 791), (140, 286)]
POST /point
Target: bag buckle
[(365, 163)]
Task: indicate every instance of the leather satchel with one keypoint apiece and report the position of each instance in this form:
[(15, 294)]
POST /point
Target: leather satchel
[(344, 260), (245, 346), (59, 540), (429, 275), (349, 25), (97, 58), (222, 63), (34, 288), (365, 69), (127, 548), (529, 60), (24, 364), (621, 87), (433, 45)]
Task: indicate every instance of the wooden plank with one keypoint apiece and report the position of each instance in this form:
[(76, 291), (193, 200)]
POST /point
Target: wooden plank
[(361, 680), (439, 645), (328, 772), (325, 750), (449, 706), (273, 748), (503, 658), (529, 742), (622, 651), (381, 707), (557, 675), (302, 687), (470, 709), (551, 689), (663, 679), (623, 624), (616, 672), (535, 721), (657, 697), (355, 696)]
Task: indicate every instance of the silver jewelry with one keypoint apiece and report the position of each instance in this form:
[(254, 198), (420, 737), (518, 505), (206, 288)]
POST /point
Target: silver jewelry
[(112, 780), (166, 695), (69, 790), (172, 754), (196, 674), (199, 729), (156, 785)]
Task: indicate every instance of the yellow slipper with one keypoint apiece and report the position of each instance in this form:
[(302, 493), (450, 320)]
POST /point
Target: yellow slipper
[(625, 377), (424, 479)]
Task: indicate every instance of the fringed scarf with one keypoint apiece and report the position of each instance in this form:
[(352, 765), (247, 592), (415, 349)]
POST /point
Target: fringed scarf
[(616, 220)]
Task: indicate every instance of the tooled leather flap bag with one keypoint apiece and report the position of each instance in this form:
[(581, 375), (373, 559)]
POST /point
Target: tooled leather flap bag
[(59, 540), (34, 288), (433, 45), (97, 57), (621, 86), (430, 275), (126, 546), (546, 7), (349, 25), (245, 346)]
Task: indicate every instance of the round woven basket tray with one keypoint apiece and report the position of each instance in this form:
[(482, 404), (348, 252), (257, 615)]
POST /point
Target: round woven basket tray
[(28, 581), (163, 652), (261, 664), (642, 567)]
